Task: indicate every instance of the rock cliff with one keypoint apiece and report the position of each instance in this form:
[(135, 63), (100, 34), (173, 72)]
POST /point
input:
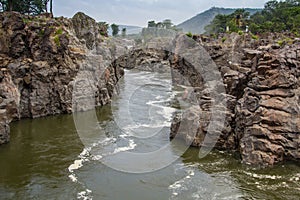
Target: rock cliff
[(262, 93), (42, 59), (39, 60)]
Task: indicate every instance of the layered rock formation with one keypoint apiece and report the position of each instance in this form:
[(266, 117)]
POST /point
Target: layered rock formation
[(262, 94), (40, 59), (48, 65)]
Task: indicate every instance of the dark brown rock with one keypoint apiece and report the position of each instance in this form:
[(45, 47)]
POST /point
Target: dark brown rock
[(38, 71), (263, 125)]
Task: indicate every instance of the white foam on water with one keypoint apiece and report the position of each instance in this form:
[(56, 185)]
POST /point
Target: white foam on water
[(85, 195), (131, 128), (97, 157), (76, 165), (158, 97), (73, 178), (295, 178), (167, 112), (85, 156), (200, 185), (175, 187), (263, 176), (130, 146)]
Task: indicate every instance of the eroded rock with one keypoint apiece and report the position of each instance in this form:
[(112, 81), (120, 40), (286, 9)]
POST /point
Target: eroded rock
[(38, 72), (262, 123)]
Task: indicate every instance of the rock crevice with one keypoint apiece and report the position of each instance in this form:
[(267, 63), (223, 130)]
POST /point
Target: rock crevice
[(262, 87)]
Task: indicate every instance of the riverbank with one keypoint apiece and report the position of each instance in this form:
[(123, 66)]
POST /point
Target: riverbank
[(41, 58), (46, 158)]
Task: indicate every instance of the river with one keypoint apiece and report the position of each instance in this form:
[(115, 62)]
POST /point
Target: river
[(46, 158)]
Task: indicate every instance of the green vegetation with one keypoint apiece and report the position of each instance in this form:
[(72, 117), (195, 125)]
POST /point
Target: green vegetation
[(285, 41), (115, 29), (224, 39), (281, 42), (59, 31), (103, 27), (42, 33), (124, 32), (277, 16), (254, 37), (56, 40), (31, 7), (26, 21), (166, 24), (189, 34), (234, 22)]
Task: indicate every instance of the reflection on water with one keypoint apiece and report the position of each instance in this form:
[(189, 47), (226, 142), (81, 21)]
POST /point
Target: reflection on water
[(47, 160)]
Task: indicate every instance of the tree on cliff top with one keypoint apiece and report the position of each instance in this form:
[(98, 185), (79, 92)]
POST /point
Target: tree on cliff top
[(115, 29), (166, 24), (31, 7), (235, 22), (124, 30)]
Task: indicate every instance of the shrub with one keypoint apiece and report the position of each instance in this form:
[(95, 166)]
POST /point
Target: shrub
[(189, 34), (254, 37), (42, 33), (26, 21), (289, 40), (57, 41), (59, 31), (281, 42), (240, 32)]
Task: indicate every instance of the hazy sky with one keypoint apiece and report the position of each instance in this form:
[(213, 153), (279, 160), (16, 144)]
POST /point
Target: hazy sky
[(139, 12)]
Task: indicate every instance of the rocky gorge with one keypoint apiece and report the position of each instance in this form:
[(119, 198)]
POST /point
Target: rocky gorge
[(42, 58), (261, 78)]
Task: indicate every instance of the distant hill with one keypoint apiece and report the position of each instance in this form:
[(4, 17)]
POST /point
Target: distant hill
[(129, 29), (196, 24)]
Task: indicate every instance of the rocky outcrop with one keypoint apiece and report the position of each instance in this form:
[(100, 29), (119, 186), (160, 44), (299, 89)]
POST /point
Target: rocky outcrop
[(47, 67), (262, 94), (40, 59), (267, 115), (153, 60)]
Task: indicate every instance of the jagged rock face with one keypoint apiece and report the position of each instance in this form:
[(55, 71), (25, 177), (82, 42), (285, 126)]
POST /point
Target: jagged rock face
[(39, 60), (145, 60), (88, 29), (42, 59), (267, 116), (262, 94)]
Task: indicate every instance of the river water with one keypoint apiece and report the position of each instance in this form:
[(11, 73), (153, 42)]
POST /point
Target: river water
[(46, 158)]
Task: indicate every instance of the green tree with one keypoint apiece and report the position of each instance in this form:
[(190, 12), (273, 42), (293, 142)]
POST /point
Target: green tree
[(115, 29), (160, 25), (151, 24), (103, 27), (124, 32), (276, 16), (167, 23), (33, 7), (51, 7), (218, 24)]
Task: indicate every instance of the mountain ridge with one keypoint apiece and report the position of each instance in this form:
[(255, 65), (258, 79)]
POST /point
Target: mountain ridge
[(197, 23)]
